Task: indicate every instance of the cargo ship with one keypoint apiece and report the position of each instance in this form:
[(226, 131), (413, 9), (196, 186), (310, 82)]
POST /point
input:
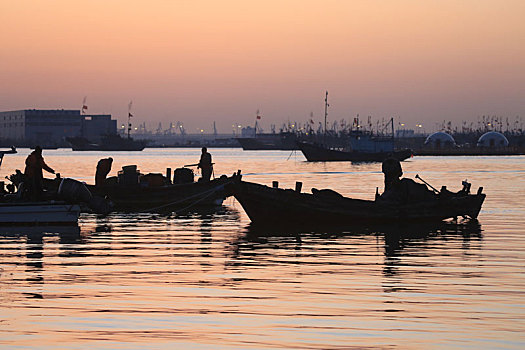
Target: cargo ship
[(113, 142)]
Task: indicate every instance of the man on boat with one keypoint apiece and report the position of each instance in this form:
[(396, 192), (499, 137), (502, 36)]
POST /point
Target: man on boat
[(103, 169), (33, 172), (402, 190), (205, 165), (391, 167)]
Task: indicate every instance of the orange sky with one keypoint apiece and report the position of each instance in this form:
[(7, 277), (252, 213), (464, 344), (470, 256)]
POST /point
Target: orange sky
[(200, 61)]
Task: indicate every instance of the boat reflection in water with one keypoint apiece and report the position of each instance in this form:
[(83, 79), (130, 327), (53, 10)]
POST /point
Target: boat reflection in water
[(395, 239), (33, 239), (66, 232)]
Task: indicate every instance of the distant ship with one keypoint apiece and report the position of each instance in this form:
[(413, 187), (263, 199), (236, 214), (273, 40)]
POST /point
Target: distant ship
[(112, 142), (285, 141), (359, 146), (363, 148)]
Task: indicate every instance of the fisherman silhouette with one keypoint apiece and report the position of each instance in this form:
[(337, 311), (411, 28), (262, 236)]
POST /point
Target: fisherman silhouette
[(391, 167), (103, 169), (205, 165), (34, 165), (402, 190)]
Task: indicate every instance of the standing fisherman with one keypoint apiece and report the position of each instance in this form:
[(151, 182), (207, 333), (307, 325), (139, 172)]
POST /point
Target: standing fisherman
[(402, 190), (205, 165), (103, 169), (391, 167), (33, 171)]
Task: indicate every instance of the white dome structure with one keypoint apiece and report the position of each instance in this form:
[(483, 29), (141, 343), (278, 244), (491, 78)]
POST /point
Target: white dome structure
[(493, 139), (440, 139)]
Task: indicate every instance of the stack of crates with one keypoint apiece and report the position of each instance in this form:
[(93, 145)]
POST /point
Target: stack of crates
[(129, 175), (152, 180), (183, 176)]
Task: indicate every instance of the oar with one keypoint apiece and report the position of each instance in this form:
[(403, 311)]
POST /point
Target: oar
[(426, 183), (187, 165)]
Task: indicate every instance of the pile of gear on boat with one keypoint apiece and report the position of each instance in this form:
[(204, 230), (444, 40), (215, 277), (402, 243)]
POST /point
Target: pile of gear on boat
[(402, 199), (128, 191)]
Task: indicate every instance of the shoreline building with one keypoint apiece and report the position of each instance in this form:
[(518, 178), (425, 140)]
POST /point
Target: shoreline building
[(50, 127)]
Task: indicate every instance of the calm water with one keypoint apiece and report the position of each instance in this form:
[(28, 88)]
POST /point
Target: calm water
[(206, 280)]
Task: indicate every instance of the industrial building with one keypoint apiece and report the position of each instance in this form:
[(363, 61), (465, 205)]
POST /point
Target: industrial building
[(96, 125), (51, 126)]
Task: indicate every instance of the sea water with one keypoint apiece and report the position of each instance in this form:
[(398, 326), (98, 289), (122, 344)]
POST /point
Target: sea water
[(204, 280)]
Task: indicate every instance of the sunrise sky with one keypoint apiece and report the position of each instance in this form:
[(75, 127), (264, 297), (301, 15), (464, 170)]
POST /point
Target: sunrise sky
[(204, 61)]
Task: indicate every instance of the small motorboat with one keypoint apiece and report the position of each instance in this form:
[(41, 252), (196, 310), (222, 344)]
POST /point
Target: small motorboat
[(14, 210), (275, 206), (33, 213)]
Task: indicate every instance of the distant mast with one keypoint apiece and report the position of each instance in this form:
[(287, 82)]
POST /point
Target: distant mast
[(84, 106), (82, 112), (325, 115), (129, 118), (257, 117), (393, 134)]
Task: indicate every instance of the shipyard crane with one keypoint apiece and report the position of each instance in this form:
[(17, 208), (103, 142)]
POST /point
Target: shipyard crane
[(180, 127)]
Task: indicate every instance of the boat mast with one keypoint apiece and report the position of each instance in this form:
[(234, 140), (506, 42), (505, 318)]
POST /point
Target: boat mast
[(392, 123), (325, 115), (129, 125), (257, 117), (393, 135), (129, 118)]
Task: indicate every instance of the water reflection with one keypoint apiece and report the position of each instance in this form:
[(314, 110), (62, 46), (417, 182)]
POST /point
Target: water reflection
[(400, 236), (398, 240), (394, 238), (206, 280), (37, 232), (32, 240)]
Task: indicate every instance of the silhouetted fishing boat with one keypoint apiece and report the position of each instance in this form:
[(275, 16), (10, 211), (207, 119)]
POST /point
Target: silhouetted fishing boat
[(132, 191), (274, 206), (178, 197)]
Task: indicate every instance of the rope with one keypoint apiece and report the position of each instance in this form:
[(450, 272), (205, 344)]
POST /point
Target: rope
[(208, 192), (293, 151), (194, 203)]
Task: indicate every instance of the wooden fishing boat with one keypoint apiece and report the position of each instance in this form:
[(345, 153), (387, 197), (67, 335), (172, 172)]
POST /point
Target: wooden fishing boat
[(274, 206), (143, 196), (167, 197)]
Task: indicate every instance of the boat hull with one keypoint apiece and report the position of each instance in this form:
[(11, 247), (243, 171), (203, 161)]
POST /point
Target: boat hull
[(283, 142), (39, 213), (317, 153), (273, 206), (109, 144), (168, 197)]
